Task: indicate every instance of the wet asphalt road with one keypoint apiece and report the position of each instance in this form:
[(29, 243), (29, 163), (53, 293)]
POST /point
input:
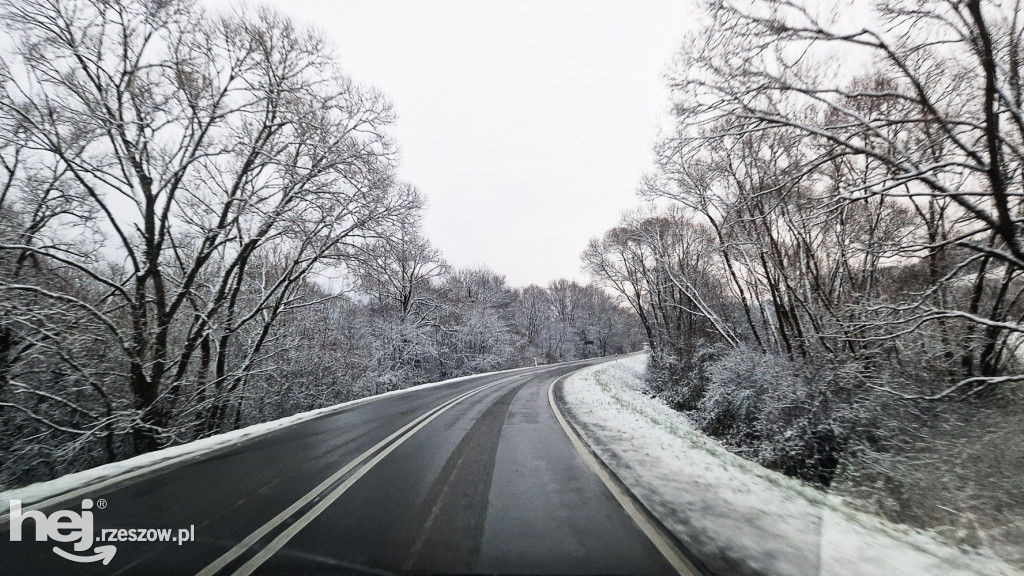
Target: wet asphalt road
[(410, 483)]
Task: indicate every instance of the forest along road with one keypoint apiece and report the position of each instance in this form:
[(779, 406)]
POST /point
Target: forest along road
[(476, 476)]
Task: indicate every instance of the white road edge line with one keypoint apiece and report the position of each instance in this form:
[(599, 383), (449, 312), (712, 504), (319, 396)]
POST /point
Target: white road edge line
[(408, 430), (668, 549)]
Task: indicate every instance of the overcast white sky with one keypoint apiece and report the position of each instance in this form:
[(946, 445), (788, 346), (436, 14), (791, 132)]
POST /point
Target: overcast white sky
[(527, 124)]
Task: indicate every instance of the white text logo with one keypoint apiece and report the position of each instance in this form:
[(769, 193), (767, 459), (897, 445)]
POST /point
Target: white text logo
[(63, 526)]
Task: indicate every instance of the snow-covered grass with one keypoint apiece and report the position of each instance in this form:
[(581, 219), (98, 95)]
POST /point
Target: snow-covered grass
[(737, 516), (73, 485)]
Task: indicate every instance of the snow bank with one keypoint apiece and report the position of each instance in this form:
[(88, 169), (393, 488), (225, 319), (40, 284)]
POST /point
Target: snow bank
[(737, 516), (73, 485)]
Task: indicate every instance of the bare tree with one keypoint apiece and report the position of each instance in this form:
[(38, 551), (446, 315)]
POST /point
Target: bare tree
[(400, 275), (222, 160), (920, 120)]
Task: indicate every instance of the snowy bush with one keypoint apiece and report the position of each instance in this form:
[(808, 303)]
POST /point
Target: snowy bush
[(775, 411)]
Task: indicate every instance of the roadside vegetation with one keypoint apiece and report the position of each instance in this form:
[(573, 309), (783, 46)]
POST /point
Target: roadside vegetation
[(738, 517), (829, 270)]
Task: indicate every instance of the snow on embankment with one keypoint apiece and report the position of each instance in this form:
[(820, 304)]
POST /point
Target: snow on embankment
[(737, 516)]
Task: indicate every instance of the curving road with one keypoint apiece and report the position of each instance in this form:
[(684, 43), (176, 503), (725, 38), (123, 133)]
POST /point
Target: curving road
[(476, 476)]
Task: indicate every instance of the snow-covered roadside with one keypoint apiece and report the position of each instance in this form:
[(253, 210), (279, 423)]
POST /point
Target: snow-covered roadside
[(70, 485), (737, 516)]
